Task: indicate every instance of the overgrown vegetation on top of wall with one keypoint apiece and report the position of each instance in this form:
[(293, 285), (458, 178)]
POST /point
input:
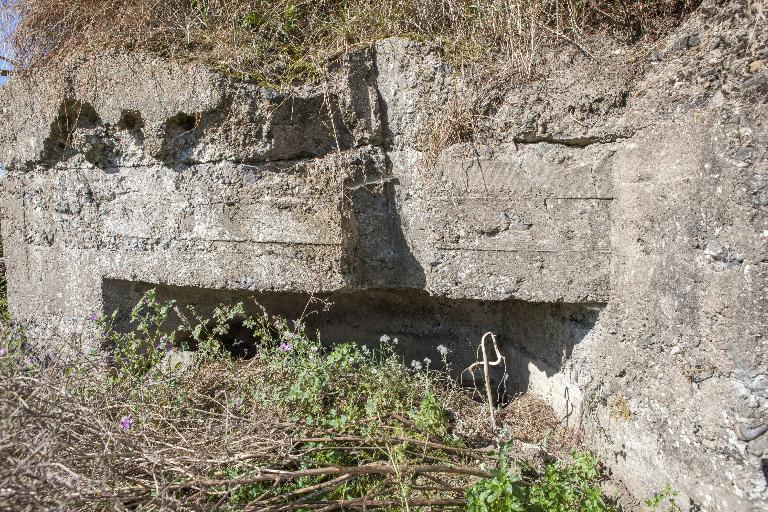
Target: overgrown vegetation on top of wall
[(284, 41)]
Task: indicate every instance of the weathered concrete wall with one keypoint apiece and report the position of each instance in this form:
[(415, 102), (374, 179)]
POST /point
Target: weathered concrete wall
[(612, 229)]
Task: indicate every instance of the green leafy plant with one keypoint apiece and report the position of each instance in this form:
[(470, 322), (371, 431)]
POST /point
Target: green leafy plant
[(563, 487), (347, 384), (504, 492), (430, 416), (208, 333), (667, 495), (138, 351)]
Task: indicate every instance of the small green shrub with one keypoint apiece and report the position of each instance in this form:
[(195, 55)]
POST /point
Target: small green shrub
[(564, 487), (139, 351), (347, 386), (504, 492), (207, 334), (136, 352), (430, 416), (667, 495)]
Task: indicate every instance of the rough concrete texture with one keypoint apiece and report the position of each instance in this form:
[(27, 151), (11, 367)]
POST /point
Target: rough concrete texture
[(611, 227)]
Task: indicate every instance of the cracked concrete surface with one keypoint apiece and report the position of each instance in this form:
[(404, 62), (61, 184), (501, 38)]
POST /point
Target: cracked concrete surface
[(613, 232)]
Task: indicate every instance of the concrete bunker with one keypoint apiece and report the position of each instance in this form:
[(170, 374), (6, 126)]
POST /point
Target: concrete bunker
[(537, 339), (201, 181)]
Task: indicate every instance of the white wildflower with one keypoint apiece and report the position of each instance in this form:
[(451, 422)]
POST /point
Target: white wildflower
[(384, 338), (442, 350), (416, 365), (427, 361), (395, 341)]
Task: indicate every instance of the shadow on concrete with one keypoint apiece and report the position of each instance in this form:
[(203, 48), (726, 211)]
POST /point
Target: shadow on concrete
[(543, 334), (379, 256)]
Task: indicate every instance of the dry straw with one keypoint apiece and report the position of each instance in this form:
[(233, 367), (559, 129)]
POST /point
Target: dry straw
[(288, 40), (67, 443)]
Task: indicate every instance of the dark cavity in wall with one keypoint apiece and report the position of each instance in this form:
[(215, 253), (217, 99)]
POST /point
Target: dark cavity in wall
[(542, 334), (132, 121)]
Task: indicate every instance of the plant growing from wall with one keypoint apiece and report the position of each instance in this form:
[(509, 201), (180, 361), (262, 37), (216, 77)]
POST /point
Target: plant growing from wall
[(666, 495)]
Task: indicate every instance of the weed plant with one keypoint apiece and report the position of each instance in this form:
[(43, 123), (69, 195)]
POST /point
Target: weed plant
[(299, 426)]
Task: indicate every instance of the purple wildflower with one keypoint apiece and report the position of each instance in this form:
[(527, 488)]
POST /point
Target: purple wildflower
[(126, 422), (284, 347), (3, 352), (93, 317)]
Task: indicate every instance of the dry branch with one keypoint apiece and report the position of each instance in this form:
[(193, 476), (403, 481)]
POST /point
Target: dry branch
[(381, 468), (364, 504)]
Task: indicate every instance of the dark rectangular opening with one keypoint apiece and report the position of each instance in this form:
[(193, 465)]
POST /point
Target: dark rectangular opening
[(539, 334)]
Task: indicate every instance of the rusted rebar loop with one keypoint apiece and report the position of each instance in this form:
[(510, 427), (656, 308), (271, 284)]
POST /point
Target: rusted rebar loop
[(486, 374)]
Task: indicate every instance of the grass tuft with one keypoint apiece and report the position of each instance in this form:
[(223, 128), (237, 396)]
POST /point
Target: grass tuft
[(288, 41)]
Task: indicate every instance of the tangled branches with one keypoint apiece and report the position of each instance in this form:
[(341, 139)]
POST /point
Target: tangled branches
[(65, 447), (297, 427)]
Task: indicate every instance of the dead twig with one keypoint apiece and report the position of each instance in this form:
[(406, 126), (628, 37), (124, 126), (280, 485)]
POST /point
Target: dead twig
[(382, 468)]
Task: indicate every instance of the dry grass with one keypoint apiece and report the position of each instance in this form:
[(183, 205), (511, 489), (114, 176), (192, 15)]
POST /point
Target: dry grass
[(531, 420), (194, 443), (296, 427), (226, 434), (64, 447), (465, 115), (620, 407), (283, 41)]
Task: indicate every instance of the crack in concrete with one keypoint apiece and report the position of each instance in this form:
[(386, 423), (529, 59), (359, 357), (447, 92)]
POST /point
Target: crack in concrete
[(572, 142)]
